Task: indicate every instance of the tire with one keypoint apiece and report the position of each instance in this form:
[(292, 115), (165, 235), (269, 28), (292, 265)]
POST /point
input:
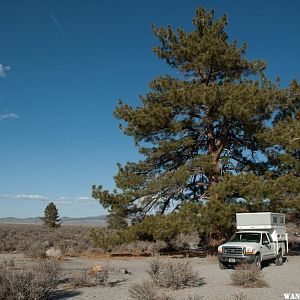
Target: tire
[(257, 262), (279, 259), (222, 266)]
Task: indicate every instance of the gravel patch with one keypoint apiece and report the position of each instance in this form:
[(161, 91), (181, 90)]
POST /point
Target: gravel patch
[(217, 283)]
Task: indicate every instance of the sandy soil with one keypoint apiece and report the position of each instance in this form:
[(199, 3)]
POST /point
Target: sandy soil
[(217, 283)]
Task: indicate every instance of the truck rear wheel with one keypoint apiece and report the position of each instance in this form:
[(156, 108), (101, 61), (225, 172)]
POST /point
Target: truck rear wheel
[(222, 266), (279, 259)]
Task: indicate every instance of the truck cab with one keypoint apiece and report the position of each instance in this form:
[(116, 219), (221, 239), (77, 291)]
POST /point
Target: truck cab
[(260, 237)]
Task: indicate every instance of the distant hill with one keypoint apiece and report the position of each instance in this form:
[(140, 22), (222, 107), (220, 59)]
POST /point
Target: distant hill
[(100, 220)]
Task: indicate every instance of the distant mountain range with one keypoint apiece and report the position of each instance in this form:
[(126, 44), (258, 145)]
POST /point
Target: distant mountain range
[(100, 220)]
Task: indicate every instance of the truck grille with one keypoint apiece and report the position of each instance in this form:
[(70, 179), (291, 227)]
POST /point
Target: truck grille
[(233, 250)]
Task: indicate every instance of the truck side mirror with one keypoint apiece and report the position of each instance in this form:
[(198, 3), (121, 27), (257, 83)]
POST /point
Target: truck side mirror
[(265, 242)]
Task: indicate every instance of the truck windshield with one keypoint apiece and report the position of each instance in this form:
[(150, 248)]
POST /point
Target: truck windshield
[(248, 237)]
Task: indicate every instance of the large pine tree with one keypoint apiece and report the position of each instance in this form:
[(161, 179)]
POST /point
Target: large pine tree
[(209, 132)]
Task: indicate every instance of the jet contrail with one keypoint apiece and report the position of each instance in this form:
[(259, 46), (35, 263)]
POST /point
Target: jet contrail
[(58, 25)]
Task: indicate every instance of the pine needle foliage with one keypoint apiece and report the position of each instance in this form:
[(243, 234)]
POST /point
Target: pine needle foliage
[(218, 131), (51, 217)]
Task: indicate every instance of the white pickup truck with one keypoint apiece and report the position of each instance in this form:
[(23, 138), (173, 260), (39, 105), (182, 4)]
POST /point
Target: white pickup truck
[(261, 236)]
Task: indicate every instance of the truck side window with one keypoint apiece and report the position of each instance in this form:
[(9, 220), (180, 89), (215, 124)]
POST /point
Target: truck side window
[(265, 239), (270, 238), (274, 219)]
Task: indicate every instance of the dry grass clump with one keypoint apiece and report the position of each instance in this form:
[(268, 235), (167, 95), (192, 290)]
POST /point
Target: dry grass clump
[(238, 296), (247, 275), (95, 276), (146, 291), (173, 274), (53, 253), (36, 284), (186, 241)]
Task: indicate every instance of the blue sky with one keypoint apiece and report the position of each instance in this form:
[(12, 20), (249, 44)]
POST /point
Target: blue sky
[(65, 63)]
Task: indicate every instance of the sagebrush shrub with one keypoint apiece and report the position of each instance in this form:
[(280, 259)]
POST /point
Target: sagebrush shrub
[(186, 241), (35, 250), (35, 240), (36, 284), (247, 275), (173, 273), (88, 278)]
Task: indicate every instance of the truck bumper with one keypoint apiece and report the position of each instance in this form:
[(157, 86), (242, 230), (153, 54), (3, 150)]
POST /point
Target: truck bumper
[(229, 259)]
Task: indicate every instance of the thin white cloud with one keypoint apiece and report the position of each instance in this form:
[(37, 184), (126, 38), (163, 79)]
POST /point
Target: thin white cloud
[(61, 202), (32, 197), (84, 198), (3, 70), (23, 197), (9, 116), (62, 198)]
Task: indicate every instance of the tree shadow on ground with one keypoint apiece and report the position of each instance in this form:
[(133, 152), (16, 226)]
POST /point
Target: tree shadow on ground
[(63, 294), (117, 282), (202, 281), (295, 249)]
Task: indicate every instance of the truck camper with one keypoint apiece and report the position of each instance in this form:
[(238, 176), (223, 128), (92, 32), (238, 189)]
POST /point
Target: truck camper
[(260, 236)]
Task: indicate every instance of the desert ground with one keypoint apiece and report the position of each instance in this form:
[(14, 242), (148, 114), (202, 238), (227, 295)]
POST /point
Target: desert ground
[(27, 245), (215, 283)]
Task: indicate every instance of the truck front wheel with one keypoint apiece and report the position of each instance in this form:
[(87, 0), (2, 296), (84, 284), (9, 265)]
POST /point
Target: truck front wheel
[(279, 259), (222, 266), (257, 262)]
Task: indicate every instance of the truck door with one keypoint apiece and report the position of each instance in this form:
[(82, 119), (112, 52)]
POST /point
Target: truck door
[(268, 250), (273, 246)]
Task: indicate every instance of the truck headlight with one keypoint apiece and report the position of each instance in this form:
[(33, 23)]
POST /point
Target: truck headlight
[(220, 249), (249, 251)]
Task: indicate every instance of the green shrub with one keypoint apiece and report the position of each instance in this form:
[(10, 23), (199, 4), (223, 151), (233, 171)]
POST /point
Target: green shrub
[(153, 228), (106, 238), (211, 222)]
